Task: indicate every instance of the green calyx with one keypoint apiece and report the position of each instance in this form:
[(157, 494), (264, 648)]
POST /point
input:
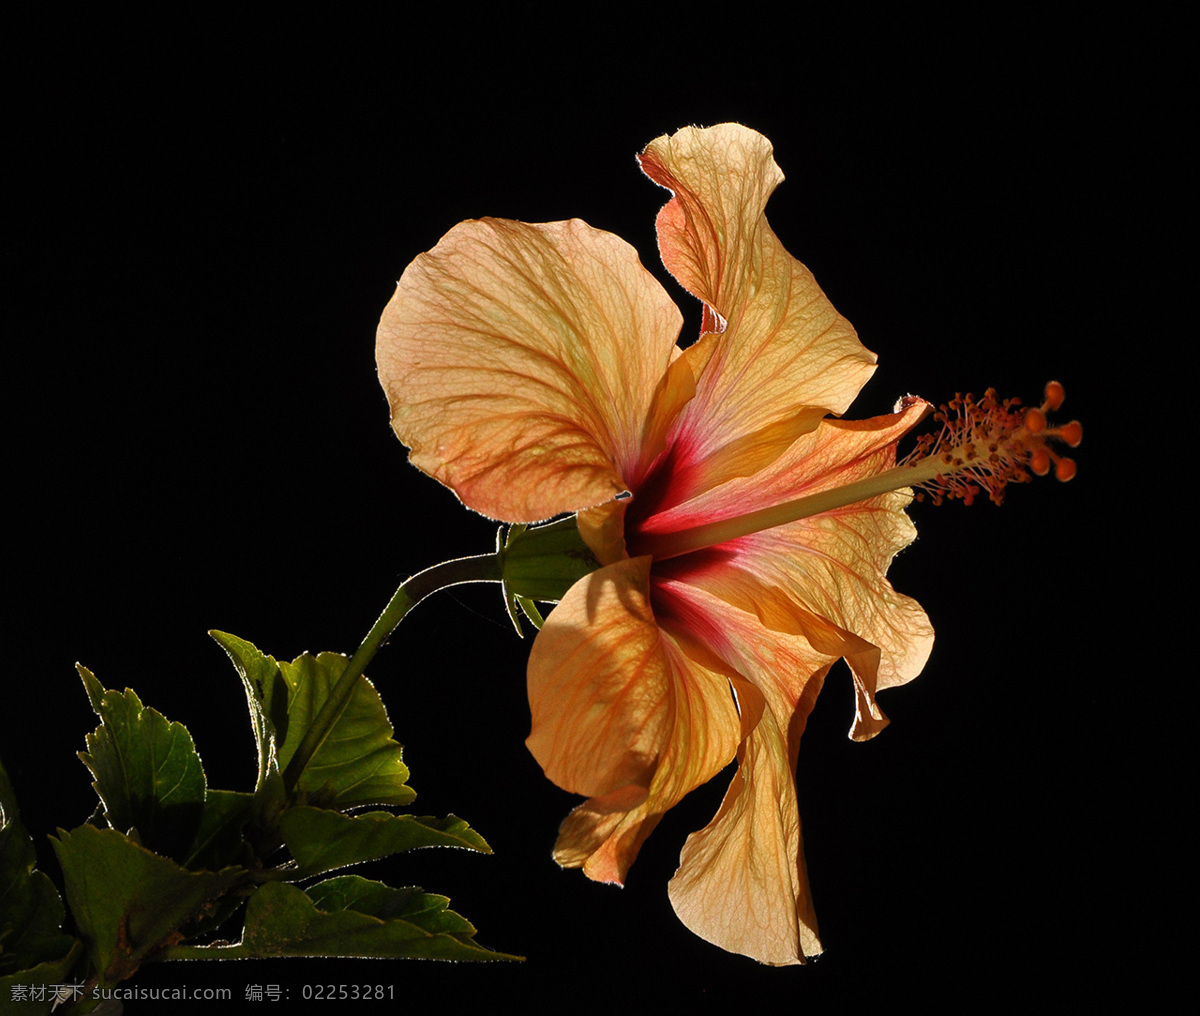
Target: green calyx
[(540, 564)]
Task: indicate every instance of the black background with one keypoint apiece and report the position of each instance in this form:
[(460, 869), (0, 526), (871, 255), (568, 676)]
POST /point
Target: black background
[(210, 213)]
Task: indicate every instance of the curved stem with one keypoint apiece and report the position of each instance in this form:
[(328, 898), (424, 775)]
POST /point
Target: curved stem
[(480, 568)]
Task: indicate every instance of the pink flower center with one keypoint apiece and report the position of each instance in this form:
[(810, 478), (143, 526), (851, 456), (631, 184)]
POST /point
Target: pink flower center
[(983, 445)]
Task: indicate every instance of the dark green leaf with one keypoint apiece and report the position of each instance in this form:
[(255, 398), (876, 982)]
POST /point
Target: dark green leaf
[(348, 916), (21, 986), (31, 911), (219, 841), (128, 902), (147, 771), (358, 764), (322, 840)]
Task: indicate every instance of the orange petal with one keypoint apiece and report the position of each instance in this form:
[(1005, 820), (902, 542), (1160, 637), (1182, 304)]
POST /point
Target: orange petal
[(742, 882), (520, 362), (622, 713), (782, 356), (823, 577)]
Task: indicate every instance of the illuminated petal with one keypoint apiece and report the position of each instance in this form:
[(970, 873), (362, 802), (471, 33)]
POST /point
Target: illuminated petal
[(783, 356), (823, 577), (622, 713), (839, 579), (520, 362), (742, 882)]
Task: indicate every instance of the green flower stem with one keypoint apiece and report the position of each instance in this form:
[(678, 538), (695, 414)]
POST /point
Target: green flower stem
[(480, 568)]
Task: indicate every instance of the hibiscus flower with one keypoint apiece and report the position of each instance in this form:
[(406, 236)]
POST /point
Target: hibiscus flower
[(534, 370)]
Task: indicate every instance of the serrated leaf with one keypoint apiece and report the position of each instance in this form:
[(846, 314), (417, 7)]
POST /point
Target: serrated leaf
[(349, 916), (322, 840), (146, 770), (267, 698), (31, 911), (359, 762), (127, 901)]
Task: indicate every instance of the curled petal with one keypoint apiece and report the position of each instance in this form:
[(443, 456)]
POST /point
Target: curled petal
[(741, 882), (778, 356), (622, 713), (520, 362)]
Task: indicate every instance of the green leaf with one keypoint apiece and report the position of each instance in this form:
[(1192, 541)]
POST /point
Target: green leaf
[(127, 902), (322, 840), (348, 916), (358, 764), (267, 697), (146, 770), (219, 841), (31, 911)]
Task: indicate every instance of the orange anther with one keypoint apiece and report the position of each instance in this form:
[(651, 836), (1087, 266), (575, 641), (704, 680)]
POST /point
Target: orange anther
[(1071, 433), (987, 444)]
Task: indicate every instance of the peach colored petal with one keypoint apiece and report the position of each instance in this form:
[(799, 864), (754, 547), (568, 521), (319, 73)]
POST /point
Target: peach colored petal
[(823, 577), (520, 362), (622, 713), (781, 356), (826, 579), (742, 883)]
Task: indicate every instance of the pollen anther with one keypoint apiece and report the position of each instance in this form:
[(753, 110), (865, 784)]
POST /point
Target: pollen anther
[(1055, 393), (1071, 433), (1016, 440)]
